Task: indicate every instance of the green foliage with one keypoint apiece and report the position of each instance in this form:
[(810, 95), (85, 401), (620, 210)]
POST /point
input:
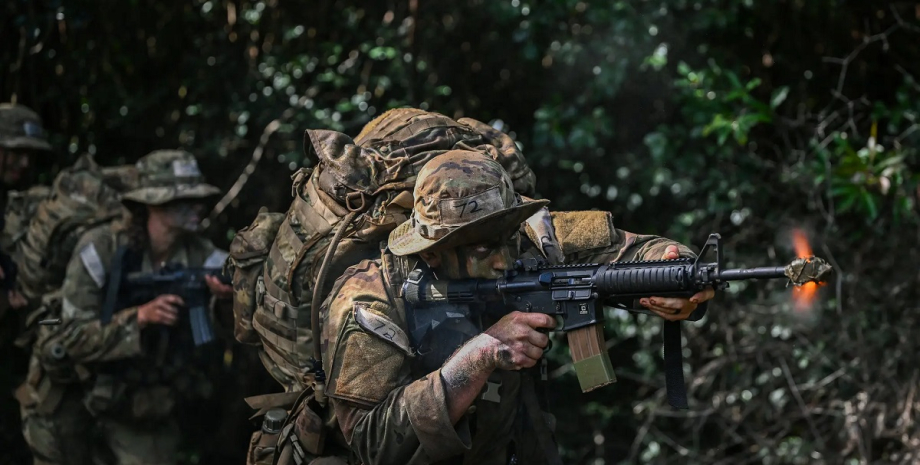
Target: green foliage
[(681, 117)]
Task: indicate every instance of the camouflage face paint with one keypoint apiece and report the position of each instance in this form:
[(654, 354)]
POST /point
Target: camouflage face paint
[(483, 261), (14, 165), (184, 215)]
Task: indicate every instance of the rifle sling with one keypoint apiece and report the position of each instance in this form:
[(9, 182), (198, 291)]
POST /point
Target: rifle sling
[(541, 429), (111, 292), (673, 366)]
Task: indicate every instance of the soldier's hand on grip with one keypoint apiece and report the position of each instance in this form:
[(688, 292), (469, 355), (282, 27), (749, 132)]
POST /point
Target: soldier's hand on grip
[(518, 343), (164, 310)]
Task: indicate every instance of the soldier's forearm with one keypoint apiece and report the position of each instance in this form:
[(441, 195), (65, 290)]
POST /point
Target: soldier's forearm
[(465, 373), (629, 246)]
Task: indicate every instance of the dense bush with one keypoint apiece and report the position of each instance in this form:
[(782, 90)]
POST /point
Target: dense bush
[(681, 117)]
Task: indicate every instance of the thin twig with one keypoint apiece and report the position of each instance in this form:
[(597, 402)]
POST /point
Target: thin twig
[(247, 172)]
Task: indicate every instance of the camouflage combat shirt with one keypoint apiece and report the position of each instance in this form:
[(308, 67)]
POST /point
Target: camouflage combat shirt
[(390, 411), (90, 343)]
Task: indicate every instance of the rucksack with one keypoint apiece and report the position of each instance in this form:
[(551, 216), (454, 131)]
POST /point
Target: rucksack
[(360, 190), (80, 198)]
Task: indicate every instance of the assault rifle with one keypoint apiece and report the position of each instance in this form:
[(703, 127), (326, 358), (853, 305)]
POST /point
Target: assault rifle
[(187, 283), (578, 293)]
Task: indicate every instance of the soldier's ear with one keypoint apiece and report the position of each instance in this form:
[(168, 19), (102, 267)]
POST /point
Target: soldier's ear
[(432, 259)]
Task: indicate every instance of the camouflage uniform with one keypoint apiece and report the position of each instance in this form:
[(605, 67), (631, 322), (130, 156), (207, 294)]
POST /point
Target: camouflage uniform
[(21, 130), (390, 405), (129, 379)]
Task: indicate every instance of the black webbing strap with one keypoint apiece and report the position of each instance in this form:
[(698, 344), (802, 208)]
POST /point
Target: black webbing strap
[(674, 366), (544, 435), (114, 283)]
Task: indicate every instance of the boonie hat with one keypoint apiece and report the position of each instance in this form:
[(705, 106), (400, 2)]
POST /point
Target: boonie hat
[(461, 197), (21, 128), (167, 175)]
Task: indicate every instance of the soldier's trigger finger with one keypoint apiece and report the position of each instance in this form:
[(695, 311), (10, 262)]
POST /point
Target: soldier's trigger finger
[(173, 299), (167, 307), (166, 317), (539, 320)]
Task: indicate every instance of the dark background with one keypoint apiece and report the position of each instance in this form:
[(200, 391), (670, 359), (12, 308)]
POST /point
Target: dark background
[(683, 118)]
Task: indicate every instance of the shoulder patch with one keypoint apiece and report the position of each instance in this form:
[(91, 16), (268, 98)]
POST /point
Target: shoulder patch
[(216, 259), (93, 264), (382, 327)]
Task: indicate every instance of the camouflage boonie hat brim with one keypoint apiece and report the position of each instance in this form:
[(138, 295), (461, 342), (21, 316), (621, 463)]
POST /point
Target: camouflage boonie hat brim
[(461, 197), (167, 175), (406, 240), (161, 195), (21, 128)]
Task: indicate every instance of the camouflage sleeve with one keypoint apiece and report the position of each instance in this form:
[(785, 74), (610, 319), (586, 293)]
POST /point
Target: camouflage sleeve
[(591, 237), (385, 414), (82, 333)]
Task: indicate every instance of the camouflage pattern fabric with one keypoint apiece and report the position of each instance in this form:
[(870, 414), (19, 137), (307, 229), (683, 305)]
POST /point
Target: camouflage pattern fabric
[(451, 206), (166, 175), (60, 437), (373, 174), (134, 405), (21, 128), (390, 407), (389, 411), (78, 200)]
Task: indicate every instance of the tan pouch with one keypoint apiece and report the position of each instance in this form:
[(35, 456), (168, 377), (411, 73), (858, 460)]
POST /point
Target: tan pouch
[(262, 447), (311, 433), (248, 252)]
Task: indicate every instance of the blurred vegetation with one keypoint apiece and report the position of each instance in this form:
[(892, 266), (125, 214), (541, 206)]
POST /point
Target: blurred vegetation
[(681, 117)]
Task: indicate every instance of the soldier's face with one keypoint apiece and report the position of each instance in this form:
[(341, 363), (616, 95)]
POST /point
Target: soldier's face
[(483, 261), (14, 163), (182, 215)]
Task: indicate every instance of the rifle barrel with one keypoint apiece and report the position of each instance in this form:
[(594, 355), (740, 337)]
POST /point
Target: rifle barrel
[(764, 272)]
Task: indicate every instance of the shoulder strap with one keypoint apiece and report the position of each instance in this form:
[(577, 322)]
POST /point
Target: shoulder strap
[(111, 292)]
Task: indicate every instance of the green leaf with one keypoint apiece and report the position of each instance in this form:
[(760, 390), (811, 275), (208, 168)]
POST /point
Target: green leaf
[(779, 96), (869, 202)]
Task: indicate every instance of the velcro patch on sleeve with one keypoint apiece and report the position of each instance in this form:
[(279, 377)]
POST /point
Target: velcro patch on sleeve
[(379, 325), (582, 230), (93, 264)]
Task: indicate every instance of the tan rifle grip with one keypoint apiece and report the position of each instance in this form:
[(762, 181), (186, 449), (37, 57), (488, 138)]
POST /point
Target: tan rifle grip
[(590, 358)]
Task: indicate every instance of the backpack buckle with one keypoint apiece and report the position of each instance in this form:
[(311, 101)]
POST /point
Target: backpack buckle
[(350, 197)]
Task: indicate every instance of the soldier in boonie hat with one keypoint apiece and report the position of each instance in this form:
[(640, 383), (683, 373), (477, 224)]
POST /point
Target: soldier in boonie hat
[(461, 197), (169, 182), (167, 175), (21, 135)]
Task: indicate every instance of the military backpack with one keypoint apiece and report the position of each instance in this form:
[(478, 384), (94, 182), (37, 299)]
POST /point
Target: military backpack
[(44, 224)]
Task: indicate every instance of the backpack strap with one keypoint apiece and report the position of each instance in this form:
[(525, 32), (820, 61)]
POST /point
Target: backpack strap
[(114, 283)]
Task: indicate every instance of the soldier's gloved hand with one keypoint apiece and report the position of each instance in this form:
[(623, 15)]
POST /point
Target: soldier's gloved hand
[(676, 308), (218, 289), (516, 342), (164, 310)]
